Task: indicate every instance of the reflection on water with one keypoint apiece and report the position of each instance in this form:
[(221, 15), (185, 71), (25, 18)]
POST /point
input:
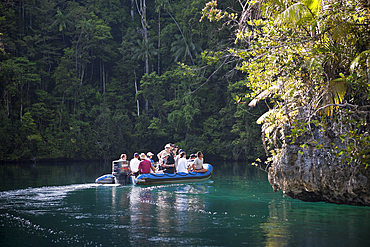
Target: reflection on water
[(235, 207)]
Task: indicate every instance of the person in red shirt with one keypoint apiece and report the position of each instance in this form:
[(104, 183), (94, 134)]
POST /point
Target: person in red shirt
[(145, 166)]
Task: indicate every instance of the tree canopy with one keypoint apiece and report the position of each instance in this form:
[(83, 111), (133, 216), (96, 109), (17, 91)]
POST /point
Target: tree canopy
[(309, 62), (94, 79)]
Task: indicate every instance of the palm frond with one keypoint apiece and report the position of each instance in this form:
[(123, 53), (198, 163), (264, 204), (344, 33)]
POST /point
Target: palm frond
[(299, 12), (313, 5), (263, 95), (271, 119), (292, 15), (362, 60), (333, 95)]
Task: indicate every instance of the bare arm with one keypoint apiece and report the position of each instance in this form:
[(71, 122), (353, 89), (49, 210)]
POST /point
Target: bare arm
[(159, 155)]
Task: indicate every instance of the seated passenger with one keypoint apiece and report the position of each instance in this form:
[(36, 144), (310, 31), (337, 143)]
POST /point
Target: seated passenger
[(165, 150), (198, 163), (177, 157), (123, 157), (168, 163), (145, 166), (191, 159), (125, 168), (182, 163), (134, 164), (149, 157)]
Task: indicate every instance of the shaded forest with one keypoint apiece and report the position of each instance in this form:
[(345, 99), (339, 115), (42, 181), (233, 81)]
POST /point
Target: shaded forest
[(94, 79)]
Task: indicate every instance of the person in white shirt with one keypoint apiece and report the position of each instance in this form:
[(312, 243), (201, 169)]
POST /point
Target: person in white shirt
[(134, 164), (177, 158), (182, 163), (198, 163)]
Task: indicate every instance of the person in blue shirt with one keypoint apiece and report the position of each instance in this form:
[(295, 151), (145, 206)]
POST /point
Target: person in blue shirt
[(149, 156)]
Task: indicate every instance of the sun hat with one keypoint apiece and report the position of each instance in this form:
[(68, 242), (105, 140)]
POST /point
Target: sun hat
[(142, 156)]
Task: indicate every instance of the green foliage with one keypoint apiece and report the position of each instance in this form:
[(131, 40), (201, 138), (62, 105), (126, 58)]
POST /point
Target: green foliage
[(143, 50), (305, 60), (61, 20), (75, 74), (182, 49)]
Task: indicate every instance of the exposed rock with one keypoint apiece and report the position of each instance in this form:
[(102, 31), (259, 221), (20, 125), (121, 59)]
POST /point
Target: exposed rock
[(318, 175)]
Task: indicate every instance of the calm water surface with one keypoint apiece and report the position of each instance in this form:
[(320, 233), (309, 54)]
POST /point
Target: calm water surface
[(59, 205)]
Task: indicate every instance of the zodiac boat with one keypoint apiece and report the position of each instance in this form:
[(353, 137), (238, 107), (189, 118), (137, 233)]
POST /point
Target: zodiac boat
[(120, 175), (178, 177)]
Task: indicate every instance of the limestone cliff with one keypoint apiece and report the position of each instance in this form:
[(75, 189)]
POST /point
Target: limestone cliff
[(318, 175)]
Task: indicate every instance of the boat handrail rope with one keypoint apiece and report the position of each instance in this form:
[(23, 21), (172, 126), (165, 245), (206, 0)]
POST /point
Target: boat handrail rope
[(162, 174), (157, 174), (183, 174)]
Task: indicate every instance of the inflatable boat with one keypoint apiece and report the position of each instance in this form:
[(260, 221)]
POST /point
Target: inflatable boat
[(178, 177), (120, 175)]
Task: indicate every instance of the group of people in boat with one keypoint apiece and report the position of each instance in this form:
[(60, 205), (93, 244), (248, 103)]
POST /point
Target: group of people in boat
[(170, 160)]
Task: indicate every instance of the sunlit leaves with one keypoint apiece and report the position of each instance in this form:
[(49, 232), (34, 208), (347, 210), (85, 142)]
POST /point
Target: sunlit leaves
[(212, 57), (309, 57), (211, 12)]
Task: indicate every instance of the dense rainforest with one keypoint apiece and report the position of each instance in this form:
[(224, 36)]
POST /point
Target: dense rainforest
[(94, 79)]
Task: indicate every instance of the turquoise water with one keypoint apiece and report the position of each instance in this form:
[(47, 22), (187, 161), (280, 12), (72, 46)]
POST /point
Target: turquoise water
[(235, 207)]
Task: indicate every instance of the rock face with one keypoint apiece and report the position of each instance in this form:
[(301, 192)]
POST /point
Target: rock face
[(312, 174)]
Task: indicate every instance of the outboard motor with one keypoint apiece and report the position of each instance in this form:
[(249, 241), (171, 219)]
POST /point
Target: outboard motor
[(121, 171)]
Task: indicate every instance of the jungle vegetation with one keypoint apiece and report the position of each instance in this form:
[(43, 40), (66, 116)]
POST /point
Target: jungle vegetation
[(94, 79), (310, 62)]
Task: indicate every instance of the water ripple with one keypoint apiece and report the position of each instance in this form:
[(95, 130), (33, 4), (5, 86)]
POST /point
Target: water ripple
[(53, 235)]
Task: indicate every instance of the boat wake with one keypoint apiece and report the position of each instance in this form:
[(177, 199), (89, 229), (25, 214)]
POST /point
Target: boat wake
[(20, 197), (22, 208)]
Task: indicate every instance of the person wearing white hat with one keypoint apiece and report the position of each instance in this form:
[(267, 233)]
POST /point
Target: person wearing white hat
[(168, 163), (145, 166), (149, 156), (166, 149)]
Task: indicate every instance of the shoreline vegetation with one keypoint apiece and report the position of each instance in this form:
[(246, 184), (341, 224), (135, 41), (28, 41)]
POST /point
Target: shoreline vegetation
[(309, 61), (92, 79)]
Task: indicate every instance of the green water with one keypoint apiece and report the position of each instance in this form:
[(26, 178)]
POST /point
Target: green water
[(59, 205)]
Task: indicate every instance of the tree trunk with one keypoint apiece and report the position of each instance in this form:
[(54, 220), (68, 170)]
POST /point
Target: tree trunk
[(103, 80), (82, 74), (159, 42), (137, 101), (20, 114), (132, 9), (77, 48), (141, 8)]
